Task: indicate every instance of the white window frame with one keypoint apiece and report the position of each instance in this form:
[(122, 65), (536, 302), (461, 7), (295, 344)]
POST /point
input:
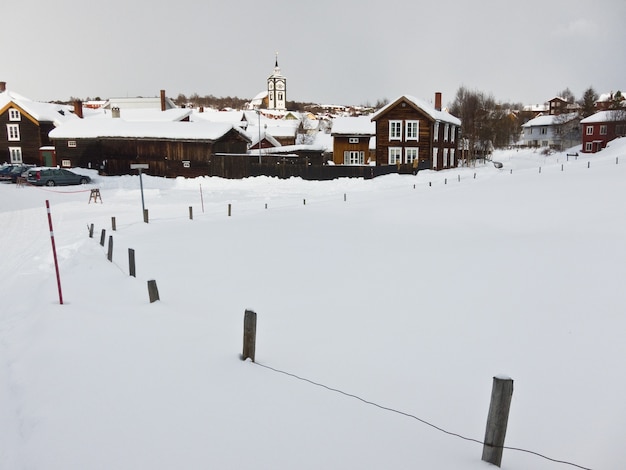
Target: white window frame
[(589, 130), (13, 132), (435, 152), (71, 143), (395, 130), (353, 140), (589, 147), (394, 155), (411, 154), (446, 131), (446, 153), (436, 132), (603, 129), (452, 157), (353, 157), (15, 154), (412, 130), (452, 133), (15, 115)]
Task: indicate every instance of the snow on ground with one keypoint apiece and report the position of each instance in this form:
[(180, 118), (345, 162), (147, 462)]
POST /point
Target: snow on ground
[(411, 292)]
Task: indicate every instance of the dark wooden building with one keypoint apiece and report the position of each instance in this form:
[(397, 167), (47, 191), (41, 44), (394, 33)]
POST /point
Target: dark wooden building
[(170, 148), (25, 127), (413, 135), (351, 140)]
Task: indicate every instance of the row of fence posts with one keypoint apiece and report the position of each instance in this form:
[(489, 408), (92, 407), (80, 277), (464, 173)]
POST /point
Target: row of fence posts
[(497, 418), (153, 291)]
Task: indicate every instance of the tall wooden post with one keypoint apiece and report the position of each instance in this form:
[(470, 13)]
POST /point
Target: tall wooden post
[(249, 335), (498, 418), (228, 210), (153, 291), (110, 250), (113, 224), (91, 231), (131, 262), (102, 236), (190, 213)]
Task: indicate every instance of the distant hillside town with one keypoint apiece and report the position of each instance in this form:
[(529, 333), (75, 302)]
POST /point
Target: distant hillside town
[(270, 135)]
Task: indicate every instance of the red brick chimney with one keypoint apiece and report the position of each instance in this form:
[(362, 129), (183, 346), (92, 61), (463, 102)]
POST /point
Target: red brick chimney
[(162, 100), (78, 108), (438, 101), (3, 87)]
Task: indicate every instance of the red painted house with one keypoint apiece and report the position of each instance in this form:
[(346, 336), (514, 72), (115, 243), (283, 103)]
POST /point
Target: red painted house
[(602, 127)]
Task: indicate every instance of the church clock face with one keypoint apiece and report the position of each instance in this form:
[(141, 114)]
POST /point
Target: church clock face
[(280, 86)]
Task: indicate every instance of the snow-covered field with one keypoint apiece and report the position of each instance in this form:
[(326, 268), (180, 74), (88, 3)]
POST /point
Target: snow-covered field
[(410, 292)]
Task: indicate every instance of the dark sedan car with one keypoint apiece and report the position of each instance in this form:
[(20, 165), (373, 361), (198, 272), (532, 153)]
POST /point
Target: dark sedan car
[(55, 177), (13, 172)]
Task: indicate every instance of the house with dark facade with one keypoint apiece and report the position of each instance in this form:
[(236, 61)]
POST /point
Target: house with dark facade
[(413, 135), (602, 127), (354, 141), (25, 127), (178, 148)]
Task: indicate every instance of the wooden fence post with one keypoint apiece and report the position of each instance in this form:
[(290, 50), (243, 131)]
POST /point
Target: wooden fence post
[(113, 224), (229, 210), (110, 250), (146, 217), (131, 262), (102, 235), (153, 292), (497, 420), (190, 213), (249, 335), (91, 231)]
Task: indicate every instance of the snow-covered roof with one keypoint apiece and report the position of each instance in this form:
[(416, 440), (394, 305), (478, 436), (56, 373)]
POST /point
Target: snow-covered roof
[(550, 119), (606, 116), (138, 102), (119, 128), (360, 125), (231, 117), (41, 112), (140, 114), (423, 106)]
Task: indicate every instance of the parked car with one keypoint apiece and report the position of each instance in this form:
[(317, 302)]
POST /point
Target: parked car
[(55, 177), (13, 172)]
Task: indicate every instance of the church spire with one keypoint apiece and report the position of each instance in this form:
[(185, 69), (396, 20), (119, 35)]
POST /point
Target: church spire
[(276, 67)]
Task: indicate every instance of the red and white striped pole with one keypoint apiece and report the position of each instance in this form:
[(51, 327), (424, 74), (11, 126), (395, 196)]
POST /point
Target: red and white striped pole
[(54, 252)]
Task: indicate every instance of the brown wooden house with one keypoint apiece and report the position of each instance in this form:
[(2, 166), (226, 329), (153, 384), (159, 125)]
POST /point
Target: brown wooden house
[(170, 148), (25, 125), (413, 135), (352, 138)]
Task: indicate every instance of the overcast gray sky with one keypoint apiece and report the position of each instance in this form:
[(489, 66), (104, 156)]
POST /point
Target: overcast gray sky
[(331, 51)]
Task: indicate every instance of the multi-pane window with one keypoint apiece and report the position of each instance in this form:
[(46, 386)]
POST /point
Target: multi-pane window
[(452, 133), (13, 132), (435, 151), (410, 154), (395, 130), (620, 130), (14, 115), (589, 130), (603, 129), (412, 130), (436, 132), (395, 155), (446, 153), (351, 157), (16, 154), (543, 131), (589, 147), (445, 132), (452, 157)]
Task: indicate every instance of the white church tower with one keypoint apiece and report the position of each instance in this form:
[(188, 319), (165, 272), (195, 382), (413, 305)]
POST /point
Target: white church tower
[(277, 89)]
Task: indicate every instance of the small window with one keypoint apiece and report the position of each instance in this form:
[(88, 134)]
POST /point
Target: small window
[(411, 154), (16, 154), (603, 129), (66, 163), (71, 143), (395, 155), (446, 131), (436, 132), (412, 130), (353, 140), (13, 132), (589, 147), (589, 130), (14, 115), (395, 130)]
